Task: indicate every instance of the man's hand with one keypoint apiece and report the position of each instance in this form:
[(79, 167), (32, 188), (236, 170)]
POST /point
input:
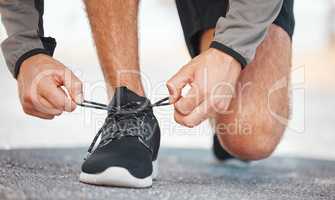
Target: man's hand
[(39, 83), (212, 76)]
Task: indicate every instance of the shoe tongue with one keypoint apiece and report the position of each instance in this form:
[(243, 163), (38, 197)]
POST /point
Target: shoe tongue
[(124, 96)]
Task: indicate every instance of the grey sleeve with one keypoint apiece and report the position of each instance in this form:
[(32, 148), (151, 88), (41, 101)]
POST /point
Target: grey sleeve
[(245, 27), (23, 22)]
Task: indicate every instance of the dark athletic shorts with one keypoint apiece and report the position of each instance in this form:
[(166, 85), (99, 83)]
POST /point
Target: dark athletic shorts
[(197, 16)]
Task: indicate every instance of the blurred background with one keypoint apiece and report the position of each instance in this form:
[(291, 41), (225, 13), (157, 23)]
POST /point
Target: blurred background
[(311, 128)]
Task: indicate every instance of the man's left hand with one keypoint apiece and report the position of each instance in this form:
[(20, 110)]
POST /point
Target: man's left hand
[(212, 76)]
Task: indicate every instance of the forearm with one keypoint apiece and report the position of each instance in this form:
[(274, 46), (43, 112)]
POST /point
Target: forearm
[(24, 26), (114, 28), (245, 27)]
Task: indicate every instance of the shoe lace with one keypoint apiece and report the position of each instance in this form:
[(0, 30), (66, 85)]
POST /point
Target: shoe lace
[(121, 121)]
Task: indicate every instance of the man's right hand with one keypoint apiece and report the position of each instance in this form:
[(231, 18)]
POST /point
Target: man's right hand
[(40, 82)]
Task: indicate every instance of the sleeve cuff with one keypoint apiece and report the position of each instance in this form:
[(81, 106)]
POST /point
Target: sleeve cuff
[(25, 57), (230, 51), (49, 45)]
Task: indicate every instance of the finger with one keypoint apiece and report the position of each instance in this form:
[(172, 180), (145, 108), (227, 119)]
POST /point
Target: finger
[(74, 86), (48, 108), (185, 105), (42, 115), (53, 94), (40, 104), (179, 118), (176, 84), (31, 111), (70, 105), (198, 115)]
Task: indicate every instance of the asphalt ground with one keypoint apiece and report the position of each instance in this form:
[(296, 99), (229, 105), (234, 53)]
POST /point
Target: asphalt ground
[(184, 174)]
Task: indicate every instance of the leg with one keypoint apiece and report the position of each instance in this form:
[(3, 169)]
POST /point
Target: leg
[(129, 144), (114, 28), (249, 130)]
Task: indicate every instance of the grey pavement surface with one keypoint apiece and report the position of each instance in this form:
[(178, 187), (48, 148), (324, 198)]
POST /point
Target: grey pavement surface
[(184, 174)]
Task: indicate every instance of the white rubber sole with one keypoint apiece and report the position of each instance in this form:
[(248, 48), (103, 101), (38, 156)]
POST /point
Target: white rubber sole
[(119, 177)]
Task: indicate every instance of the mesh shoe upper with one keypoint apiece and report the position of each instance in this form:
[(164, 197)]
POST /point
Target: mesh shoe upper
[(129, 115), (130, 136)]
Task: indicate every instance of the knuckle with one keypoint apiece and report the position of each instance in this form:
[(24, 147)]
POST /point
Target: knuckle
[(73, 107), (27, 98), (27, 111), (26, 106), (177, 119), (68, 109), (59, 113), (189, 123), (60, 106), (49, 117), (170, 84), (183, 121), (178, 107), (183, 108)]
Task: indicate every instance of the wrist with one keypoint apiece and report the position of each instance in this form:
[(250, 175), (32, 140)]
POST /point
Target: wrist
[(34, 64), (224, 57), (229, 51), (27, 56)]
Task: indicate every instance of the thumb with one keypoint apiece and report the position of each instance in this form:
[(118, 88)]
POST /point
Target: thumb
[(74, 86), (176, 84)]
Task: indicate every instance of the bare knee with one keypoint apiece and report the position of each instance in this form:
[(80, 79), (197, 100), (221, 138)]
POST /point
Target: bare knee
[(254, 141), (254, 133), (256, 149)]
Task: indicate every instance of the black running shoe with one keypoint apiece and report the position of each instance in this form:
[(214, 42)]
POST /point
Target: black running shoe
[(126, 155), (219, 152)]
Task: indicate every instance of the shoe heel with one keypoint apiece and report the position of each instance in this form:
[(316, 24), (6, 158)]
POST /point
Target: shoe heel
[(154, 170)]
